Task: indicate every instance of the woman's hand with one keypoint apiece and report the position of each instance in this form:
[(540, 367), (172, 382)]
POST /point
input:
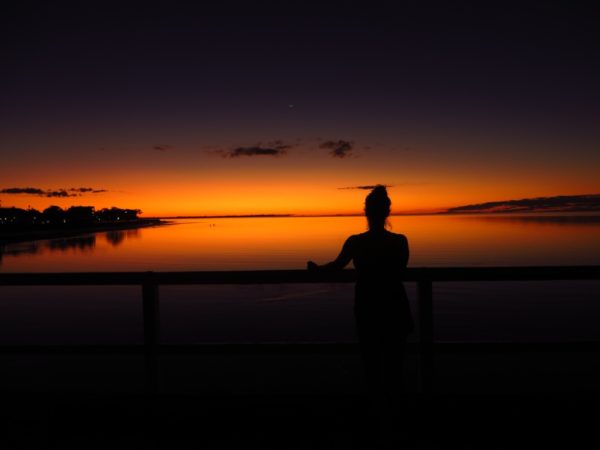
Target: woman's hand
[(310, 265)]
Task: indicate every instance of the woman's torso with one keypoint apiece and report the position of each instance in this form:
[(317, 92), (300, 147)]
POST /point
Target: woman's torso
[(379, 257)]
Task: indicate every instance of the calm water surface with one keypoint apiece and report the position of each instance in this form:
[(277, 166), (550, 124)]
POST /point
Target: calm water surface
[(464, 311), (287, 243)]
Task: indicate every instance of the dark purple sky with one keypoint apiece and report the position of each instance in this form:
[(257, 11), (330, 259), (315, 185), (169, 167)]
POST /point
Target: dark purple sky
[(438, 90)]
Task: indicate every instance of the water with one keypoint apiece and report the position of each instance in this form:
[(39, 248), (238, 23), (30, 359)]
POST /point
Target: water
[(464, 311), (287, 243)]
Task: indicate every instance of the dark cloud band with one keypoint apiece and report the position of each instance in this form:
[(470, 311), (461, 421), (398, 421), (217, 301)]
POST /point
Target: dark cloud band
[(254, 151), (339, 148), (27, 190), (366, 187), (573, 203), (72, 192), (275, 148)]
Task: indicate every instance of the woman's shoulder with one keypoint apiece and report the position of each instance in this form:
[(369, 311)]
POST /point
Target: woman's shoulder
[(356, 240), (393, 235), (367, 238), (353, 238), (398, 237)]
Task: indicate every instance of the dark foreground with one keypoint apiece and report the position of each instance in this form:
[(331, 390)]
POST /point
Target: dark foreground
[(9, 236), (297, 422), (298, 400)]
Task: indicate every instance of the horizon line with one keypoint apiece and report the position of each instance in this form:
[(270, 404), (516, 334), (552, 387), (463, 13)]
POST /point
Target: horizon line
[(428, 213)]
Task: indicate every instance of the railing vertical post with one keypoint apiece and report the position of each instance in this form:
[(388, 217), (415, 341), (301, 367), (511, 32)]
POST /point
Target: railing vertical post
[(426, 368), (151, 328)]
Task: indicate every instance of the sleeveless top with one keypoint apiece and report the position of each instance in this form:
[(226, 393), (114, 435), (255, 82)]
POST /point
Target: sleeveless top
[(379, 259)]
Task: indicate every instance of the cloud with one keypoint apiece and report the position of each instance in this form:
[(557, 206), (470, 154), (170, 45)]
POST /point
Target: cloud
[(366, 187), (83, 190), (572, 203), (162, 148), (72, 192), (27, 190), (58, 193), (275, 148), (339, 148)]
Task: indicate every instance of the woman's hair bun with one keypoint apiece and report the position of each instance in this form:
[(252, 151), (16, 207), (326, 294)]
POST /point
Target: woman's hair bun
[(377, 203), (379, 191)]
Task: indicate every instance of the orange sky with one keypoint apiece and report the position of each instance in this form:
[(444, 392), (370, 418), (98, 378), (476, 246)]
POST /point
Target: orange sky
[(184, 181), (450, 105)]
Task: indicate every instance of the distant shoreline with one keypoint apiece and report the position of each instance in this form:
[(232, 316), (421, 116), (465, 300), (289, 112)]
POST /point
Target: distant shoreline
[(8, 237), (40, 234), (591, 212)]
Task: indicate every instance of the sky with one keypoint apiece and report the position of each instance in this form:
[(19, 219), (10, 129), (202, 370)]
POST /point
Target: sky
[(287, 108)]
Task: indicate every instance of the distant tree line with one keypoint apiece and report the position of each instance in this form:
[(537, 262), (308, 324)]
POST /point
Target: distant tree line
[(55, 216)]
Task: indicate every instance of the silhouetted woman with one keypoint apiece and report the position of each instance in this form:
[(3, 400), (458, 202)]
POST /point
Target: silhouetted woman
[(382, 313)]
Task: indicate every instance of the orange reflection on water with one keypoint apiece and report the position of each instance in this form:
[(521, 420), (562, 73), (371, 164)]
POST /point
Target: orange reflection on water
[(502, 240), (288, 242), (247, 243)]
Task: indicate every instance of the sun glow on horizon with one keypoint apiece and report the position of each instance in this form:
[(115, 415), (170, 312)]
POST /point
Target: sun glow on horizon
[(306, 182)]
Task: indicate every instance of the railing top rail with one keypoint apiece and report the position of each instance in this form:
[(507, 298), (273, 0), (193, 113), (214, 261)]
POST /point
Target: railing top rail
[(297, 276)]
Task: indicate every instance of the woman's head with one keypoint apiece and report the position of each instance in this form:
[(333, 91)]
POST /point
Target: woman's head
[(377, 207)]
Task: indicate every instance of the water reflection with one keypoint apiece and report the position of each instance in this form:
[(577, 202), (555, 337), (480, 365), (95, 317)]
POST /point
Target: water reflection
[(566, 219), (80, 243), (117, 237), (287, 243)]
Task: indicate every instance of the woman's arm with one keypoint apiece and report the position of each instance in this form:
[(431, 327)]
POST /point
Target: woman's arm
[(405, 251), (338, 263)]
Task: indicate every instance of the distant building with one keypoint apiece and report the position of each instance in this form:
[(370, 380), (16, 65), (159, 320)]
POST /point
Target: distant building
[(56, 217), (117, 214), (19, 217), (80, 215)]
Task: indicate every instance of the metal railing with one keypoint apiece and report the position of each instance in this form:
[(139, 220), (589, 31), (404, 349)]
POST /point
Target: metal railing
[(150, 282)]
